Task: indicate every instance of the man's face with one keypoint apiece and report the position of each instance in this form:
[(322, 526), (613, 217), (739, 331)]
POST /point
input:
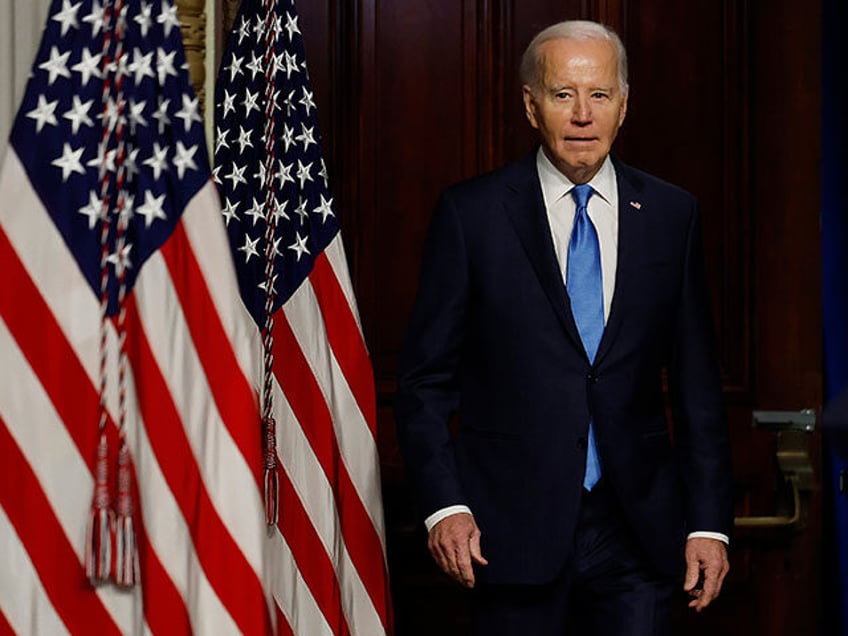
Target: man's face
[(579, 105)]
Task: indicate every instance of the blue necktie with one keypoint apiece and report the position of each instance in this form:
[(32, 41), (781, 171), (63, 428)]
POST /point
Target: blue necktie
[(584, 284)]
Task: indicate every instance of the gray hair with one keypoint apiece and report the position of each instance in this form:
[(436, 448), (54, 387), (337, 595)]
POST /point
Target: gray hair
[(530, 71)]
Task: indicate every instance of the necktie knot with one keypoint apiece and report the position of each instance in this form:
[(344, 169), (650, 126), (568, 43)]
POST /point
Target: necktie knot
[(581, 193)]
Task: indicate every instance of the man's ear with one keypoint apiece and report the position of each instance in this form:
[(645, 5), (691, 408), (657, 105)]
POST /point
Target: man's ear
[(623, 111), (529, 105)]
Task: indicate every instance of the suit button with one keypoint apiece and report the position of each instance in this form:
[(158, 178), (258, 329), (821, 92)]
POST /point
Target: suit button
[(592, 378), (582, 442)]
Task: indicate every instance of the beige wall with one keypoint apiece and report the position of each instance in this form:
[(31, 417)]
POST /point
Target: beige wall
[(21, 22)]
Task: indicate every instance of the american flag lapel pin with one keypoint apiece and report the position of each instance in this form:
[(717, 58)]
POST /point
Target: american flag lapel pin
[(636, 205)]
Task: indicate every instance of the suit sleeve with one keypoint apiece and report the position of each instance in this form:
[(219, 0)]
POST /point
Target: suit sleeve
[(429, 367), (700, 423)]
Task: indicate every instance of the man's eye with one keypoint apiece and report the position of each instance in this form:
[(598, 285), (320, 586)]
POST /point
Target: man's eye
[(563, 95), (599, 95)]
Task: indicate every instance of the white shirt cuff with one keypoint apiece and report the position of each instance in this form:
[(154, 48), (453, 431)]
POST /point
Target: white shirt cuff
[(437, 516), (710, 535)]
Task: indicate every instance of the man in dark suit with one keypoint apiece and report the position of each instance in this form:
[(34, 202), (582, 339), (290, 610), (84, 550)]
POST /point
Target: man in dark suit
[(554, 295)]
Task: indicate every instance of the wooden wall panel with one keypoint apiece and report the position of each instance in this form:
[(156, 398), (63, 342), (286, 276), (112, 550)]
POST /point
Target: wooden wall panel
[(413, 96), (687, 122)]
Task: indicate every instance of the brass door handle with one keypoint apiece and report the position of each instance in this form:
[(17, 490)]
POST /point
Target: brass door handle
[(793, 429), (777, 521)]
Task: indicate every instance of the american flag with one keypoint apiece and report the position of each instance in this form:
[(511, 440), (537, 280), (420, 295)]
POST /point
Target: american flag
[(331, 577), (118, 283)]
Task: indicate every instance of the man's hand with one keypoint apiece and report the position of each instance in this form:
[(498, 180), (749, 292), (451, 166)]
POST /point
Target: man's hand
[(454, 542), (707, 557)]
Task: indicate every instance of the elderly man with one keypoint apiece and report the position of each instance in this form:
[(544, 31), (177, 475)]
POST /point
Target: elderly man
[(554, 294)]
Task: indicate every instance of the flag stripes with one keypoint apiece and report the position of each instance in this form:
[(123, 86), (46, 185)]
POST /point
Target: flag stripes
[(53, 557), (174, 596), (187, 397)]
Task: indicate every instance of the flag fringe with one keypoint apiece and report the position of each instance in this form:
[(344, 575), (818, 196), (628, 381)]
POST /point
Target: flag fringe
[(101, 522), (272, 480), (126, 566), (127, 569)]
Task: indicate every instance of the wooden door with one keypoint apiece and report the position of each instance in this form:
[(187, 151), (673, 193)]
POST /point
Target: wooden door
[(724, 102)]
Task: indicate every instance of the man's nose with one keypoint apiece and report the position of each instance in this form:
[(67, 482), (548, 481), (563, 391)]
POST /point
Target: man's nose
[(582, 113)]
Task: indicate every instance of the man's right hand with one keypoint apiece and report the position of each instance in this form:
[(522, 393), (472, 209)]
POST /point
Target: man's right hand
[(454, 543)]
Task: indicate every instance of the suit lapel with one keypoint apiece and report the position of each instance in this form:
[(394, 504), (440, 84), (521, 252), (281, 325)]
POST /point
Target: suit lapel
[(526, 211), (630, 237)]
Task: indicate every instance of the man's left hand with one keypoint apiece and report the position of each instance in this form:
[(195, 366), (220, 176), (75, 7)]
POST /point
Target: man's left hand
[(707, 557)]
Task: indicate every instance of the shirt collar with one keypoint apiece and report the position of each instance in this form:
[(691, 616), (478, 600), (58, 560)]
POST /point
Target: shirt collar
[(556, 185)]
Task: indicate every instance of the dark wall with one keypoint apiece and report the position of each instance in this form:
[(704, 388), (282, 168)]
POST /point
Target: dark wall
[(725, 101)]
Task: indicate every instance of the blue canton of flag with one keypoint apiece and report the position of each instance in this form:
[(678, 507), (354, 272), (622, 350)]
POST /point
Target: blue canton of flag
[(301, 202), (145, 137)]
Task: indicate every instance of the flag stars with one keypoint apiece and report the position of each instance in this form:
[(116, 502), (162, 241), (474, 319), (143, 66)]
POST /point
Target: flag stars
[(131, 164), (284, 173), (111, 114), (303, 172), (44, 113), (152, 208), (235, 66), (289, 103), (168, 17), (161, 115), (259, 27), (105, 159), (249, 248), (291, 64), (158, 161), (165, 64), (144, 19), (250, 102), (244, 139), (299, 246), (96, 18), (244, 30), (288, 136), (323, 173), (69, 161), (188, 113), (255, 65), (56, 66), (92, 210), (88, 66), (221, 138), (120, 258), (280, 210), (307, 101), (255, 212), (300, 210), (78, 114), (306, 137), (126, 209), (273, 288), (262, 175), (184, 159), (229, 211), (142, 65), (291, 25), (229, 102), (136, 115), (67, 17), (237, 175), (325, 209)]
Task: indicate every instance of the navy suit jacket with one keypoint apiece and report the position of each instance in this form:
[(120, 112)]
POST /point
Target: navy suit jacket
[(492, 337)]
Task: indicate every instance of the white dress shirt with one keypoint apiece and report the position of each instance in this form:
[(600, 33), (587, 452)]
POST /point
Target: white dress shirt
[(561, 209)]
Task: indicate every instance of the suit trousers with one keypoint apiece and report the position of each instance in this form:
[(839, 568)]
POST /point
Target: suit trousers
[(607, 589)]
